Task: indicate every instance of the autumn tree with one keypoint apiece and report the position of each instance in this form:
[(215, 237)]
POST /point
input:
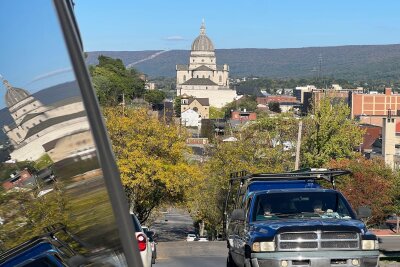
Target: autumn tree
[(372, 183), (150, 157), (259, 148), (112, 80), (329, 133)]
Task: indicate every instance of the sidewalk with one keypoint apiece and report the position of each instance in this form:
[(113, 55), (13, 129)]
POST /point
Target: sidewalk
[(384, 232)]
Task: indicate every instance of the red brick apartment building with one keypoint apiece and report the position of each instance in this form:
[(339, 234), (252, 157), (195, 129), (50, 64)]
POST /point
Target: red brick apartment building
[(375, 104), (276, 98)]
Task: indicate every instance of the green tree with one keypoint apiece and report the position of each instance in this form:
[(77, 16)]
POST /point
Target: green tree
[(329, 134), (177, 106), (216, 113), (275, 107), (25, 215), (259, 148), (111, 80), (247, 102), (154, 96), (150, 157)]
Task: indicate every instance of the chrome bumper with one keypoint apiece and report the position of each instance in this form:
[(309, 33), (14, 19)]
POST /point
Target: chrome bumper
[(316, 259)]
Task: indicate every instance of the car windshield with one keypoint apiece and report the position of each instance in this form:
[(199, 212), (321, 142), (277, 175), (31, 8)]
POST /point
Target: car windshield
[(325, 205)]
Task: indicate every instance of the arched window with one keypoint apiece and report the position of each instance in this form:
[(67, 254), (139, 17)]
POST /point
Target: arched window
[(202, 60), (184, 78), (220, 78), (197, 76), (196, 109), (203, 77)]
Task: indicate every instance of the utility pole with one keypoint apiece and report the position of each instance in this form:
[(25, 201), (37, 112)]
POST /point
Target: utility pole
[(297, 164), (123, 104)]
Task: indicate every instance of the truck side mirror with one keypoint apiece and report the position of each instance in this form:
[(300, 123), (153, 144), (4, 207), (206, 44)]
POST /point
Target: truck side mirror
[(364, 212), (238, 215)]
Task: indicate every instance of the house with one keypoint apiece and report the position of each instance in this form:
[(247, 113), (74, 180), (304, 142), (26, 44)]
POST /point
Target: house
[(199, 105), (190, 118), (19, 179), (243, 115)]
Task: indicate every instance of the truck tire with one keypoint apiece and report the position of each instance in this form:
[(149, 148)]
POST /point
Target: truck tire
[(247, 262), (229, 261)]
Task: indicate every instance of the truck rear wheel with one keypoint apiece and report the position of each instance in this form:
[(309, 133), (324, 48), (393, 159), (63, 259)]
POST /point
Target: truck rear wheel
[(229, 261)]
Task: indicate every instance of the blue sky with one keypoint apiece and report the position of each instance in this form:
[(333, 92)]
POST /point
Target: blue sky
[(159, 24), (33, 55), (32, 50)]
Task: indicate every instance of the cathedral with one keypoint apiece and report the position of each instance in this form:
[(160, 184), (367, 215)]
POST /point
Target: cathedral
[(203, 78), (39, 129)]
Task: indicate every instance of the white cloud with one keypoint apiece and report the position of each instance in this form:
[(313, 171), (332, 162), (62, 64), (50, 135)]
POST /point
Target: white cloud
[(174, 38), (50, 74)]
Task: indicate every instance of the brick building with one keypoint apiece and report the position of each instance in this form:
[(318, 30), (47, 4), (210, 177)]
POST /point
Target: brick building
[(276, 98), (243, 116), (375, 104)]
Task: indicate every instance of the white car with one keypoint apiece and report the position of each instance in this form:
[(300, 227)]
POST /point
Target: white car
[(191, 237), (153, 244), (203, 239), (143, 243)]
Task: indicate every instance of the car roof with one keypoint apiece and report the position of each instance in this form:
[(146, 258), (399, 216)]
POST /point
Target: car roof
[(136, 223), (293, 190)]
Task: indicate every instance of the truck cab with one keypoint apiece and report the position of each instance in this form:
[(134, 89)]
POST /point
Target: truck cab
[(288, 219)]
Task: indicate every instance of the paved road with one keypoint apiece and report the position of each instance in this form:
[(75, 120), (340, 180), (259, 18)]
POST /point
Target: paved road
[(390, 243), (196, 254), (173, 250), (173, 226)]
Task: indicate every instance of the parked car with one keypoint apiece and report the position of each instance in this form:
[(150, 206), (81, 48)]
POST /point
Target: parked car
[(191, 237), (153, 244), (143, 243), (203, 239)]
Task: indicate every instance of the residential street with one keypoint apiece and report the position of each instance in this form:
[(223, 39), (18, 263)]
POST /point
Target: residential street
[(174, 250)]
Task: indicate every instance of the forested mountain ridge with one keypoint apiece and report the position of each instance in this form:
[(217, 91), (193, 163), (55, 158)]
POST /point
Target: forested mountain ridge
[(355, 62)]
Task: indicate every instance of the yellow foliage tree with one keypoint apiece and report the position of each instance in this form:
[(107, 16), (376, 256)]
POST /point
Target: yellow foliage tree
[(150, 157)]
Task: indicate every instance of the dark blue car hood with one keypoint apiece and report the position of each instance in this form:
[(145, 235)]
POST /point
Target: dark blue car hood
[(268, 229)]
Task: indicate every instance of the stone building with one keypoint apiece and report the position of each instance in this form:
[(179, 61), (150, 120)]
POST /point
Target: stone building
[(37, 129), (203, 78), (200, 105)]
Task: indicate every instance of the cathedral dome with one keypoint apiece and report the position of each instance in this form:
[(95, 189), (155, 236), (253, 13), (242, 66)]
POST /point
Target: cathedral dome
[(14, 95), (202, 42)]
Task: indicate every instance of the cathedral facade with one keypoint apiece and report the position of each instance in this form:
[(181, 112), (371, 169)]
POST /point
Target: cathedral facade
[(37, 128), (202, 77)]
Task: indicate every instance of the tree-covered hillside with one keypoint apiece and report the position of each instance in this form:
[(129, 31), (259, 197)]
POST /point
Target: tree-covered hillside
[(357, 62)]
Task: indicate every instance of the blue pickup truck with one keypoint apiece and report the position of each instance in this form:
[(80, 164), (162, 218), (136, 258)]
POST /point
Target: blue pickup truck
[(288, 219), (44, 250)]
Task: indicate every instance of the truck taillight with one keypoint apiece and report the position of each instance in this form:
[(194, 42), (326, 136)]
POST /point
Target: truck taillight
[(141, 238)]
